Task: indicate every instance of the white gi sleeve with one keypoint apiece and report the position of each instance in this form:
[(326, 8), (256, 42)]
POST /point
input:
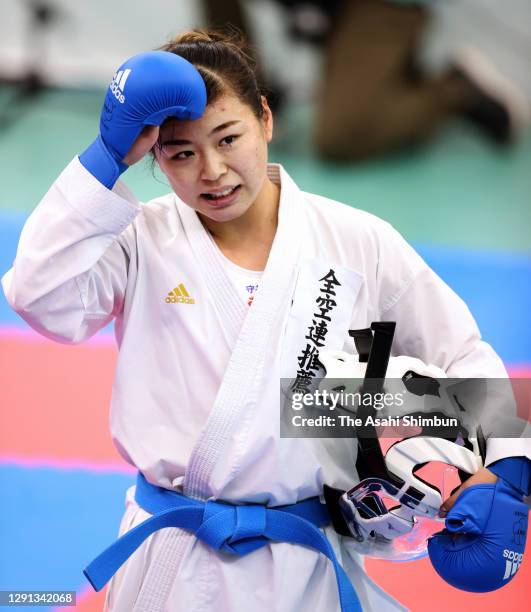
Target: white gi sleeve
[(435, 325), (69, 276)]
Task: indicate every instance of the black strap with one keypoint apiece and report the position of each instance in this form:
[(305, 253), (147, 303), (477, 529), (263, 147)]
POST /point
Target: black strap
[(370, 460)]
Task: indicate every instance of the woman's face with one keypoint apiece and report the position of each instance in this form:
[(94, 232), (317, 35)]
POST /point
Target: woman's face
[(217, 164)]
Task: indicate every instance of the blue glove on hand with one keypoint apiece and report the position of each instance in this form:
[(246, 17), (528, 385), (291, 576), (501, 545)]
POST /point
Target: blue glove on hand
[(492, 522), (145, 90)]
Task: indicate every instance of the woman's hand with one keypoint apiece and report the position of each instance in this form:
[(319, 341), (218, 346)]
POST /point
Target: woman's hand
[(482, 476), (143, 144)]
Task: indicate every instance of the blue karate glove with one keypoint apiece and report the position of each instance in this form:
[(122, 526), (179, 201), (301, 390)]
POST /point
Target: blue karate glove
[(145, 90), (492, 522)]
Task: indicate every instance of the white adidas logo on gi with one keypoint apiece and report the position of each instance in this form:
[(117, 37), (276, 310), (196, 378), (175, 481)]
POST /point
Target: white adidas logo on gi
[(512, 562), (118, 83)]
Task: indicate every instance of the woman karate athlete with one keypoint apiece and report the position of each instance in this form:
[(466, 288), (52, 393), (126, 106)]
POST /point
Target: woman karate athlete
[(195, 404)]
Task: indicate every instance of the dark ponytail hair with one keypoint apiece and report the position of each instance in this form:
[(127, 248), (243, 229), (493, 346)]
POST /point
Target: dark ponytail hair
[(225, 63)]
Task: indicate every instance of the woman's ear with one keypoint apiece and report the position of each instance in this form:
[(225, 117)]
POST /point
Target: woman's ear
[(267, 119)]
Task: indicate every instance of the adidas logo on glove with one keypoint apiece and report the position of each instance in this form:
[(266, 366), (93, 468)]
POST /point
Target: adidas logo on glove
[(512, 563), (118, 83)]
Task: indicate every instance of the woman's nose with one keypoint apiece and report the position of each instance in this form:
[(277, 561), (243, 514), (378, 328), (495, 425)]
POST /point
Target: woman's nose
[(213, 166)]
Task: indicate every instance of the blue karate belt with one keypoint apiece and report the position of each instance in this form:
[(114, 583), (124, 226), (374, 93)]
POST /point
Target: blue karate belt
[(225, 527)]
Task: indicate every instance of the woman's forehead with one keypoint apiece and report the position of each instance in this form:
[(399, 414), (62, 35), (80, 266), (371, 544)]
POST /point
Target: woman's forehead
[(223, 110)]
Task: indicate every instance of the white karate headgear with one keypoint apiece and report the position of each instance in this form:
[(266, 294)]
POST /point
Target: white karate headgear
[(392, 513)]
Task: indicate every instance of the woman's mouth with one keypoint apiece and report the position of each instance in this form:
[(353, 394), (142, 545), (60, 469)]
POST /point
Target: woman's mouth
[(222, 197)]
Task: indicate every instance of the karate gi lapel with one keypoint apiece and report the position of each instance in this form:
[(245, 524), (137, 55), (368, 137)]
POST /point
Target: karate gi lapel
[(239, 389), (232, 311)]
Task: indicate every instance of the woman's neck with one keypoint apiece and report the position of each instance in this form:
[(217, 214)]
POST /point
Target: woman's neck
[(253, 232)]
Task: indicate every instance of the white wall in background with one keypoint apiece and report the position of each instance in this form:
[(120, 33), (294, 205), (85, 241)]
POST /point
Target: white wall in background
[(91, 38)]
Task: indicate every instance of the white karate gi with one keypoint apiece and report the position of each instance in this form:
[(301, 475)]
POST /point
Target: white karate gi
[(195, 403)]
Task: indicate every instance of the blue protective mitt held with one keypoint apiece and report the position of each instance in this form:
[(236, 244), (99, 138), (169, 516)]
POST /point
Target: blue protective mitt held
[(145, 90), (492, 522)]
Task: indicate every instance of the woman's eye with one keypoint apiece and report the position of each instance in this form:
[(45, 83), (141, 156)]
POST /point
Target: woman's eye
[(228, 140), (183, 155)]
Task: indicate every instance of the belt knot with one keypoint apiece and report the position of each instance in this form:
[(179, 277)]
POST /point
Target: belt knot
[(233, 529)]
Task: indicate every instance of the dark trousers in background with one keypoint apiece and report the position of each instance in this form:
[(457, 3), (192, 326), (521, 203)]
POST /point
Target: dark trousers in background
[(372, 99)]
